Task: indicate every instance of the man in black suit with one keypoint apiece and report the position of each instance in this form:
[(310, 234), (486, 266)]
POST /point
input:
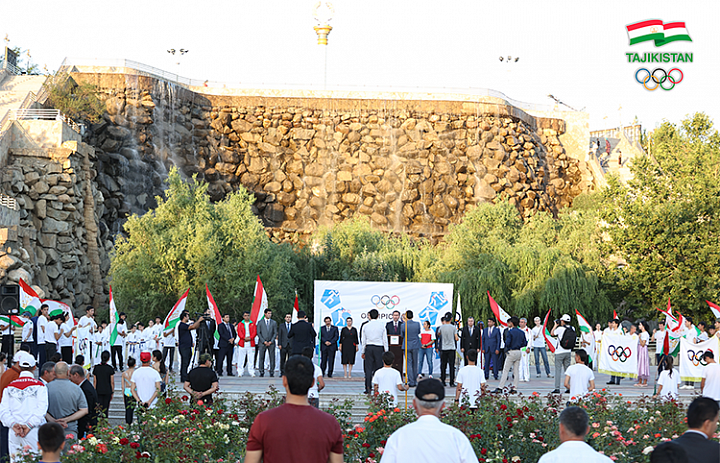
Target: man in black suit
[(206, 334), (396, 332), (89, 421), (470, 339), (225, 346), (284, 342), (328, 346), (702, 421), (302, 334)]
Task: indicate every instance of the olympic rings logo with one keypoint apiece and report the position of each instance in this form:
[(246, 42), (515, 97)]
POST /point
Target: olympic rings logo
[(619, 353), (385, 301), (696, 357), (659, 81)]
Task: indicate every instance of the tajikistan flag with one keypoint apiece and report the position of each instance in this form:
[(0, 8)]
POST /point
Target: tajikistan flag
[(585, 327), (260, 302), (173, 317), (13, 320), (29, 299), (214, 314), (59, 308), (655, 30), (500, 314), (114, 318)]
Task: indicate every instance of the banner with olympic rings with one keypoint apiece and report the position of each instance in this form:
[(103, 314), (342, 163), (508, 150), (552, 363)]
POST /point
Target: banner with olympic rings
[(690, 357), (619, 355)]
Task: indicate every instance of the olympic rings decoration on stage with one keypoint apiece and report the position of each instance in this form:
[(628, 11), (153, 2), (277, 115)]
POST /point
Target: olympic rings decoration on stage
[(659, 81), (696, 357), (619, 353), (385, 301)]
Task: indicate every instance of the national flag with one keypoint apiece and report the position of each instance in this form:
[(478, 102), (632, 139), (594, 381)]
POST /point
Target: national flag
[(29, 299), (259, 301), (59, 308), (546, 334), (296, 309), (458, 315), (500, 314), (715, 309), (12, 319), (655, 30), (675, 31), (214, 314), (585, 327), (173, 317), (114, 318)]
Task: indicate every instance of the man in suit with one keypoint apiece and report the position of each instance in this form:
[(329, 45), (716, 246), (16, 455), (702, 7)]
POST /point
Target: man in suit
[(396, 332), (302, 334), (470, 339), (284, 342), (267, 331), (702, 421), (491, 348), (328, 346), (206, 334), (89, 421), (225, 345), (413, 348)]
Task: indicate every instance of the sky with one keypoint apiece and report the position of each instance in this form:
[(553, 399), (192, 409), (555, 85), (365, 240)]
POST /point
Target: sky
[(574, 50)]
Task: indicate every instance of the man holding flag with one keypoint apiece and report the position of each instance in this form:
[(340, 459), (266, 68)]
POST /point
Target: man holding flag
[(169, 327), (562, 355)]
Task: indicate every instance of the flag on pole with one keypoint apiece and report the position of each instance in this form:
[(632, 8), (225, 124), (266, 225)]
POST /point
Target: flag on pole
[(585, 327), (296, 309), (500, 314), (173, 317), (615, 315), (458, 315), (259, 301), (114, 318), (29, 299), (59, 308), (14, 320), (715, 309), (214, 314), (546, 334)]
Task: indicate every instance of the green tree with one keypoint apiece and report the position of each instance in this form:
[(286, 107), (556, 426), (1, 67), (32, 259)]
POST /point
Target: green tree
[(77, 101)]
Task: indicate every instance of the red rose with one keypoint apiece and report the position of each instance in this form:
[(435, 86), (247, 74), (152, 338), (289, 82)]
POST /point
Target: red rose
[(499, 427), (220, 412), (102, 448), (531, 418), (483, 451), (508, 419), (371, 454), (124, 441), (168, 400), (134, 445), (383, 442), (366, 445), (503, 407), (184, 397)]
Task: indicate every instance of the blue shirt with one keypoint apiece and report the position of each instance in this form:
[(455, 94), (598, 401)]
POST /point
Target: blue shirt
[(515, 339)]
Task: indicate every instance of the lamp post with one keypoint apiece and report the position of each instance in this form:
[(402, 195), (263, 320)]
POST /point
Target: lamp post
[(180, 52), (323, 12)]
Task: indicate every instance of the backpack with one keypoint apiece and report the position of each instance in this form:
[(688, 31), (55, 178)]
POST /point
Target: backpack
[(568, 338)]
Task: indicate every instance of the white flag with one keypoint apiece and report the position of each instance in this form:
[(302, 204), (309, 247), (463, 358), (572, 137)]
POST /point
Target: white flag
[(619, 355), (691, 361)]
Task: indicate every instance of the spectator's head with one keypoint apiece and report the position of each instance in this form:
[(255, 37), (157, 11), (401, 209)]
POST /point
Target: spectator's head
[(226, 318), (47, 371), (301, 315), (661, 325), (573, 424), (90, 311), (565, 320), (184, 316), (429, 397), (44, 309), (409, 314), (157, 355), (105, 357), (373, 314), (246, 316), (491, 322), (669, 452), (77, 374), (307, 352), (388, 358), (56, 357), (426, 324), (205, 359), (51, 439), (513, 321), (328, 321), (472, 356), (80, 359), (25, 361), (581, 356), (3, 357), (145, 358), (299, 374), (25, 347), (131, 362), (702, 415), (61, 370)]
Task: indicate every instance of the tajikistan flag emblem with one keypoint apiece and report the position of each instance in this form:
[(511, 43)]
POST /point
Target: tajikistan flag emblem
[(657, 31)]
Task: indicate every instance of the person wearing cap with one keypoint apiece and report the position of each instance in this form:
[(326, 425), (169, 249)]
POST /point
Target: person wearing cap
[(66, 401), (23, 407), (145, 382), (562, 356), (202, 380), (428, 440)]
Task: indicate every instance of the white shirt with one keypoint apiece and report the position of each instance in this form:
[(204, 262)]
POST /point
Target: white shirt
[(471, 378), (313, 392), (574, 451), (144, 379), (50, 331), (121, 328), (86, 326), (387, 380), (559, 331), (428, 440), (65, 341), (27, 330), (669, 384), (580, 377), (24, 402), (374, 334), (42, 323), (711, 373), (168, 340)]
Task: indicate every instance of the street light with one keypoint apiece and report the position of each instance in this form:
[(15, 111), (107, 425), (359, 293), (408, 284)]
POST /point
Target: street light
[(323, 11), (181, 52)]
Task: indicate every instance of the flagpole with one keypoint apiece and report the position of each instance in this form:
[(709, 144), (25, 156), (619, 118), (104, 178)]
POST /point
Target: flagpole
[(406, 372)]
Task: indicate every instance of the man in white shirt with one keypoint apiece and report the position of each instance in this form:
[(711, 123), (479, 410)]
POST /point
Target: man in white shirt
[(428, 440), (387, 379), (573, 428), (52, 335), (470, 381), (86, 328), (318, 382), (710, 383), (145, 382), (168, 339), (42, 322), (27, 329), (659, 337), (562, 356), (524, 358), (373, 344), (118, 346), (539, 347), (579, 378)]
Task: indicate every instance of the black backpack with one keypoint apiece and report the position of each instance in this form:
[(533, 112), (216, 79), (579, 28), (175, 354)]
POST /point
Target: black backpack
[(568, 338)]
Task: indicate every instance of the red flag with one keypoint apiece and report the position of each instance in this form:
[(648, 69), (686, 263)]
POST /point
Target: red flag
[(296, 309), (549, 341), (715, 309), (666, 343), (259, 301), (615, 317), (500, 314)]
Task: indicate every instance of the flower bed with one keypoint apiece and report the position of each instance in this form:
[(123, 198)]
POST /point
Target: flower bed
[(500, 430)]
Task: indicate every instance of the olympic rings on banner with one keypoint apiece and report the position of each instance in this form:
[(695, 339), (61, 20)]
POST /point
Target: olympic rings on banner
[(696, 357), (657, 80), (619, 353), (385, 301)]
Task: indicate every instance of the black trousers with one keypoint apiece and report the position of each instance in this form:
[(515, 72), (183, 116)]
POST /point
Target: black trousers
[(284, 355), (225, 355), (491, 357), (373, 362), (129, 408), (66, 353), (8, 345), (50, 350), (116, 351), (185, 358), (4, 446), (169, 350), (104, 403), (41, 355), (447, 359), (327, 359)]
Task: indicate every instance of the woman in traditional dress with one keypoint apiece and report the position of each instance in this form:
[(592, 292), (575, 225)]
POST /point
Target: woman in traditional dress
[(643, 357)]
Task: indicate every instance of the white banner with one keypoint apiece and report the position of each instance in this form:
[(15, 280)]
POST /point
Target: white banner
[(619, 355), (342, 299), (690, 357)]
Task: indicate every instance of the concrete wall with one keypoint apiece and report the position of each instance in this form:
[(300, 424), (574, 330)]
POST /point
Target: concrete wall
[(41, 134)]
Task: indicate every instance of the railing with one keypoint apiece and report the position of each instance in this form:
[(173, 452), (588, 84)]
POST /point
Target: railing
[(43, 115), (9, 67), (117, 66), (9, 202)]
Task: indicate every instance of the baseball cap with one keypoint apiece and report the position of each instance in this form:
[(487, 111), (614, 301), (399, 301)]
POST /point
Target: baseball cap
[(430, 386), (565, 318), (24, 359), (145, 357)]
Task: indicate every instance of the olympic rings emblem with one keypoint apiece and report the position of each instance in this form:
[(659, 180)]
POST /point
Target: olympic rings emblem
[(619, 353), (658, 81), (696, 357), (385, 301)]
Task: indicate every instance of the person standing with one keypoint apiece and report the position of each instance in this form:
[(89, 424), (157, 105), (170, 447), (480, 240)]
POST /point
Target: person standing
[(118, 345), (573, 429), (524, 356), (387, 379), (8, 338), (126, 385), (318, 385), (446, 339), (284, 341), (267, 332), (491, 348), (349, 345), (396, 333), (145, 382), (52, 335), (225, 346), (428, 440), (659, 337), (612, 329), (514, 341), (412, 329), (205, 333), (27, 331), (328, 346), (373, 344), (427, 347), (668, 381), (562, 355), (66, 401), (710, 383), (86, 329), (202, 381), (579, 378), (39, 333), (539, 347), (469, 339), (470, 381), (89, 421), (104, 382), (168, 336), (65, 342), (185, 342), (302, 334), (245, 345), (643, 357), (702, 422)]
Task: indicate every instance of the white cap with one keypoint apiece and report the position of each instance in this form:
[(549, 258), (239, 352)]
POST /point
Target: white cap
[(24, 359), (565, 318)]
